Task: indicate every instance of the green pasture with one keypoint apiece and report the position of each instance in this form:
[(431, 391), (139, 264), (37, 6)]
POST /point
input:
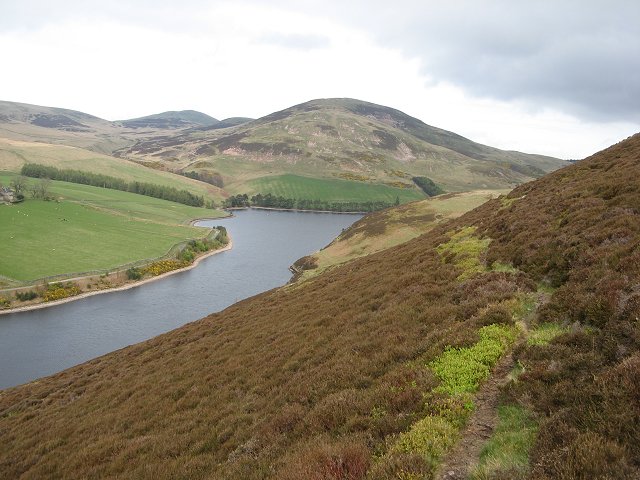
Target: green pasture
[(124, 203), (13, 156), (335, 190), (42, 238), (89, 228)]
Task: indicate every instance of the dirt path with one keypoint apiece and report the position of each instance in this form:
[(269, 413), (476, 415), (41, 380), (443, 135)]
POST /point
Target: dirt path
[(457, 464)]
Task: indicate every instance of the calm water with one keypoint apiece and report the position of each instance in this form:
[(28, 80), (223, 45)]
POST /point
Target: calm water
[(41, 342)]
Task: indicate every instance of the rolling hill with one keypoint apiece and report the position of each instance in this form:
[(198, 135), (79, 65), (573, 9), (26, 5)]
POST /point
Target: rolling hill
[(372, 369), (341, 139), (308, 151), (172, 120), (15, 153)]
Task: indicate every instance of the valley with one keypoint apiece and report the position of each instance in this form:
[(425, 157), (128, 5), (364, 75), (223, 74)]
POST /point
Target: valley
[(450, 334), (371, 369)]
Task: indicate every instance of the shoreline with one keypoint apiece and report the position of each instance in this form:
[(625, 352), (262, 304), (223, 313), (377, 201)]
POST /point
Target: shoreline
[(276, 209), (126, 286), (193, 222)]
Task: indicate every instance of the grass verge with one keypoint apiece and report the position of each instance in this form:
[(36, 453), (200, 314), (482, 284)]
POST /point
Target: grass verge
[(506, 454)]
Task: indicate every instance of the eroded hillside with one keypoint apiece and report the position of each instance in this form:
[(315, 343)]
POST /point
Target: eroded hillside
[(371, 369)]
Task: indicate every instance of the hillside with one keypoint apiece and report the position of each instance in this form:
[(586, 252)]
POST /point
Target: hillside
[(340, 139), (35, 123), (388, 228), (172, 120), (334, 150), (347, 376), (15, 153)]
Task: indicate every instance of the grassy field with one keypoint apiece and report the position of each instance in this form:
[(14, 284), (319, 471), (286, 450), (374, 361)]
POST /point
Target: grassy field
[(14, 154), (337, 190), (89, 228), (47, 238)]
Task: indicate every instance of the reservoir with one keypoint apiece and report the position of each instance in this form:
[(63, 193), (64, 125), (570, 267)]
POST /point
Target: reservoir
[(265, 243)]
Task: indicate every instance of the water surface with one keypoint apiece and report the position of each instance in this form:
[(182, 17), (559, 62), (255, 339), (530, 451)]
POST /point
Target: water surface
[(41, 342)]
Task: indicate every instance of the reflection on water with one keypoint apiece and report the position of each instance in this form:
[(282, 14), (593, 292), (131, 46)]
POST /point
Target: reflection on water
[(40, 342)]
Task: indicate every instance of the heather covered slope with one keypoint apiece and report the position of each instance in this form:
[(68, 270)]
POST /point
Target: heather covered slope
[(346, 376)]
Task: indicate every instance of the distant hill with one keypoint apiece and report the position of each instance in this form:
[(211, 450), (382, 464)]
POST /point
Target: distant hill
[(372, 369), (328, 150), (343, 138), (229, 122), (21, 121), (172, 120)]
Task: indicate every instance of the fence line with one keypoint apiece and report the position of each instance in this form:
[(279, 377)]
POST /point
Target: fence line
[(171, 253)]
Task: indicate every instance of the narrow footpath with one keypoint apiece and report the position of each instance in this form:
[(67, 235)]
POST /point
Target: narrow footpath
[(461, 460)]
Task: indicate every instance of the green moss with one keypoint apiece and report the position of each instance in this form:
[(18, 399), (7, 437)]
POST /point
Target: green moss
[(507, 451), (524, 304), (544, 333), (503, 267), (430, 438), (506, 202), (461, 370), (467, 250)]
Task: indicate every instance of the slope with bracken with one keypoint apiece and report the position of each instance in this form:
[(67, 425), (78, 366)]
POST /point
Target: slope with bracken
[(370, 369)]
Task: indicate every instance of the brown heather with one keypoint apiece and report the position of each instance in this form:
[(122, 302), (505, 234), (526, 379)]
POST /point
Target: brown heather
[(316, 381)]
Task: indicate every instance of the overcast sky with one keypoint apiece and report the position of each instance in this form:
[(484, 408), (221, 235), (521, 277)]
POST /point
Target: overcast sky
[(557, 77)]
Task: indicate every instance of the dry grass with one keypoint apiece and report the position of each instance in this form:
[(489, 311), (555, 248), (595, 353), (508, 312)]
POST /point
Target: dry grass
[(321, 380)]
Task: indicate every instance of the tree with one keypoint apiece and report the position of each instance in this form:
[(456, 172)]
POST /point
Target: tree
[(19, 184), (41, 189)]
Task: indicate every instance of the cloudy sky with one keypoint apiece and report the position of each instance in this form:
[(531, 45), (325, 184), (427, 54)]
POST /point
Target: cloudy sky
[(559, 77)]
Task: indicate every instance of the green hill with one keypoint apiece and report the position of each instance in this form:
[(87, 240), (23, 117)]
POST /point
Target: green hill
[(343, 139), (15, 153), (172, 120), (380, 150), (372, 369)]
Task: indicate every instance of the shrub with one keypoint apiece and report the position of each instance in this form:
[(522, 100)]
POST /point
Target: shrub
[(4, 303), (430, 438), (134, 273), (26, 296), (461, 370), (187, 255), (58, 291), (163, 266), (465, 250), (325, 460)]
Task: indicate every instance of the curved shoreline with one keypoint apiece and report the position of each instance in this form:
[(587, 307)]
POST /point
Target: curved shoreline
[(126, 286), (276, 209)]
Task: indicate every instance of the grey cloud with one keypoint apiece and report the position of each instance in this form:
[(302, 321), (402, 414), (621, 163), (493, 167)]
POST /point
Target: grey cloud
[(581, 56)]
